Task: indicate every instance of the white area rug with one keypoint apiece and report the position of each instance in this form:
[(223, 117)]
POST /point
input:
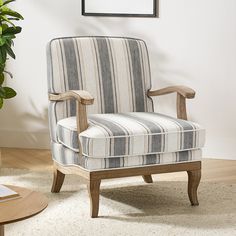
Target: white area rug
[(127, 207)]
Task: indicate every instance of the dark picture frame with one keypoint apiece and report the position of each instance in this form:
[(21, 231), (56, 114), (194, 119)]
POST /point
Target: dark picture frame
[(155, 11)]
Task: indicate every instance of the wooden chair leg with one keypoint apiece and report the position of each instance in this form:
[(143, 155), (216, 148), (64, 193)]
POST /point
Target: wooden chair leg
[(94, 190), (193, 182), (1, 230), (58, 179), (147, 179)]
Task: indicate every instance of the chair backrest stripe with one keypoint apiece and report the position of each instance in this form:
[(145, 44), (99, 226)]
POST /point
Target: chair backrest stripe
[(115, 71)]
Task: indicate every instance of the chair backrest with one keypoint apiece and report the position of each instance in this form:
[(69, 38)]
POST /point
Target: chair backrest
[(114, 70)]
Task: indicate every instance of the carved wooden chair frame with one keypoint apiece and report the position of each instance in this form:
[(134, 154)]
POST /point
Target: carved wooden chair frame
[(83, 98)]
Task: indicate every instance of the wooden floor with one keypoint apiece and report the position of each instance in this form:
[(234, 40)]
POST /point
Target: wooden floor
[(40, 160)]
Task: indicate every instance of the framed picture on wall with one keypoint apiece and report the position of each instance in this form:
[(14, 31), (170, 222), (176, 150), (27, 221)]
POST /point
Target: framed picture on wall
[(130, 8)]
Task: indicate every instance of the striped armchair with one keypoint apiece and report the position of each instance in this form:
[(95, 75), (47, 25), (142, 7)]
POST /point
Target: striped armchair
[(102, 121)]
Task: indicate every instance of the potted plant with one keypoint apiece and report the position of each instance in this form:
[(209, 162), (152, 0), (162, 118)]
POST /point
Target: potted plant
[(8, 31)]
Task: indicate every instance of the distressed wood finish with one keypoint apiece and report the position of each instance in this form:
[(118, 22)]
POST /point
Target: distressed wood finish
[(82, 120), (181, 107), (147, 170), (183, 90), (58, 179), (81, 96), (1, 230), (94, 177), (128, 172), (194, 177), (72, 170), (94, 190), (147, 179)]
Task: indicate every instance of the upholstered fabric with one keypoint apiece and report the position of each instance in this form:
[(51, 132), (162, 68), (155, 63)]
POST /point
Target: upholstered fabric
[(115, 71), (123, 129), (66, 156), (131, 134)]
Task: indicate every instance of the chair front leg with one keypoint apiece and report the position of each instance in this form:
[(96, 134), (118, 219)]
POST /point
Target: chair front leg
[(58, 179), (94, 190), (194, 178)]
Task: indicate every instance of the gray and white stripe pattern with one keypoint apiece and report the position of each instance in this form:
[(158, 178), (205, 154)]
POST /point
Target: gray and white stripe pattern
[(66, 156), (115, 71), (123, 129), (131, 134)]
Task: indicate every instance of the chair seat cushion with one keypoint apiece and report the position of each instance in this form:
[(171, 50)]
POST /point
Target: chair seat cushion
[(68, 157), (130, 134)]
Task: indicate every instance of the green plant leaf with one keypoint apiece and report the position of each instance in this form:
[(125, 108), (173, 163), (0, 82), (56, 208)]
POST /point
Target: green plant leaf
[(9, 12), (12, 30), (2, 77), (2, 92), (7, 2), (9, 41), (4, 18), (9, 37), (3, 55), (7, 92), (1, 102), (10, 93), (2, 41), (12, 18), (8, 32), (2, 66), (4, 26), (10, 51)]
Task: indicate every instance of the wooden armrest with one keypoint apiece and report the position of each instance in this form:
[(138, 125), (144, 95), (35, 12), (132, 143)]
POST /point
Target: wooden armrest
[(182, 90), (81, 96)]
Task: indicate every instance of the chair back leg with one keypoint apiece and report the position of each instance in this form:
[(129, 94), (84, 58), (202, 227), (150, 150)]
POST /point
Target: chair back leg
[(147, 179), (1, 230)]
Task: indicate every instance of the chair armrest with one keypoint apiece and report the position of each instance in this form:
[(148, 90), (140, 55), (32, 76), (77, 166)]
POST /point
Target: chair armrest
[(81, 96), (182, 90)]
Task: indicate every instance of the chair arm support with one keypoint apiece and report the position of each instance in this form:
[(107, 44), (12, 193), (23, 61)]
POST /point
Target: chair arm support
[(183, 92), (81, 96)]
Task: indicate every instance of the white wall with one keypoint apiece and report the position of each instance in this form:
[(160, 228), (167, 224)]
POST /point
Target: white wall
[(192, 43)]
